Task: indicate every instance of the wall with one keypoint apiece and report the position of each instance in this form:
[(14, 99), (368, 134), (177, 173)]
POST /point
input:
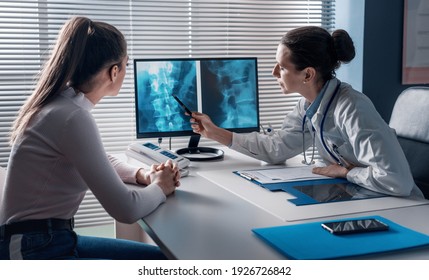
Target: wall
[(382, 63), (349, 16)]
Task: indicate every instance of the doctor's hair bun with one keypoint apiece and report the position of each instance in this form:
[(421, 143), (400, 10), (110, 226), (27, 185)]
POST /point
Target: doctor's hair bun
[(344, 46), (314, 46)]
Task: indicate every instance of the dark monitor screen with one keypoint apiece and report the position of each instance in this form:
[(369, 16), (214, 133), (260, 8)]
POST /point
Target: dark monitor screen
[(226, 89)]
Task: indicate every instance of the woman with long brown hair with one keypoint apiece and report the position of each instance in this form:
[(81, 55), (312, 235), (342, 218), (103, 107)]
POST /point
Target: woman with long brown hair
[(57, 155)]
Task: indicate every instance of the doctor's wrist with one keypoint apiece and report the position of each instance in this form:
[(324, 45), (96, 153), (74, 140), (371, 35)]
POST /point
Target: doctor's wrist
[(344, 172), (222, 136)]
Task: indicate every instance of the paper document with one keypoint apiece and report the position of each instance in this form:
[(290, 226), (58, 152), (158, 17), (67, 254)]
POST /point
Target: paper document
[(279, 175)]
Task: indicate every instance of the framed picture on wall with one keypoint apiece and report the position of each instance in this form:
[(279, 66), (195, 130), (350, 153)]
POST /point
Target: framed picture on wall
[(415, 56)]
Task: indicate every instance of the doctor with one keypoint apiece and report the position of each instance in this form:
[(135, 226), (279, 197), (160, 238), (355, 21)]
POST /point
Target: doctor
[(340, 122)]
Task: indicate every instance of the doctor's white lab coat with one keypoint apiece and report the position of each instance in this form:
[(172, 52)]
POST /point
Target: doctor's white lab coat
[(352, 124)]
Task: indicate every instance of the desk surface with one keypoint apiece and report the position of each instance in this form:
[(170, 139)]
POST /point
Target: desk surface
[(205, 221)]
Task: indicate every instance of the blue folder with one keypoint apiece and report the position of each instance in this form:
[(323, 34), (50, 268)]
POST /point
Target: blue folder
[(310, 241)]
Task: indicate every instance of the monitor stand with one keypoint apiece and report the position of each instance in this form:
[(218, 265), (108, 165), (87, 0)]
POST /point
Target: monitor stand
[(195, 153)]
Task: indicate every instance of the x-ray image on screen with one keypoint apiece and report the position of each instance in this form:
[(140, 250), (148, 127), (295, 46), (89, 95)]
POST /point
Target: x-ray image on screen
[(156, 82), (226, 89), (229, 92)]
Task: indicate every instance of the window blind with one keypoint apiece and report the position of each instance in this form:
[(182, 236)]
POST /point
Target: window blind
[(153, 29)]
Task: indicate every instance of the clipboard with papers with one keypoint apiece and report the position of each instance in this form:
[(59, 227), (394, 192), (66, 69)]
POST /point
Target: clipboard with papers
[(306, 187), (284, 174)]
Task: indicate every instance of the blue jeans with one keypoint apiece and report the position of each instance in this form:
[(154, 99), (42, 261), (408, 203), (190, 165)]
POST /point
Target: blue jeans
[(66, 244)]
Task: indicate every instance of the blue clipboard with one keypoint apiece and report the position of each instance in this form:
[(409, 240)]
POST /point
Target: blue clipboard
[(310, 241)]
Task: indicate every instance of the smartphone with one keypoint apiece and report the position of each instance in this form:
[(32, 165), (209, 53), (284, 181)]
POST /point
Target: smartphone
[(182, 105), (355, 226)]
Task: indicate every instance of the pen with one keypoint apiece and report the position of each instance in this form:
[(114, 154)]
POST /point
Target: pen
[(269, 130), (263, 129), (182, 105), (341, 160), (248, 176)]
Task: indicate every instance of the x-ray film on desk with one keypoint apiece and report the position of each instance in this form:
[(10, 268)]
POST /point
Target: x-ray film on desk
[(279, 204), (306, 187)]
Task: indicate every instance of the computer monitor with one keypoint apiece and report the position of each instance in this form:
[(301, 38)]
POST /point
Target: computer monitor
[(226, 89)]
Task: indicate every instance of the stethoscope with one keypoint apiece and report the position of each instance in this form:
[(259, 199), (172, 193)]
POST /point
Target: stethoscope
[(321, 133)]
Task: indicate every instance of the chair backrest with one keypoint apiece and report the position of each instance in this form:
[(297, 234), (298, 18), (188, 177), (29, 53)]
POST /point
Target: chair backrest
[(410, 119)]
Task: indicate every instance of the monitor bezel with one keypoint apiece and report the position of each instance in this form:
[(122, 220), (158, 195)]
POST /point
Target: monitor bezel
[(183, 133)]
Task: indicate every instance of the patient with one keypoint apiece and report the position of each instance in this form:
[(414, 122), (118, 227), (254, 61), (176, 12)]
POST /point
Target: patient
[(57, 155)]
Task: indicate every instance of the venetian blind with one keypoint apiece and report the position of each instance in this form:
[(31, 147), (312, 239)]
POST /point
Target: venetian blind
[(160, 28)]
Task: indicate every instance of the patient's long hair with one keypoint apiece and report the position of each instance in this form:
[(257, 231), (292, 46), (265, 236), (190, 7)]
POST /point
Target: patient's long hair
[(83, 48)]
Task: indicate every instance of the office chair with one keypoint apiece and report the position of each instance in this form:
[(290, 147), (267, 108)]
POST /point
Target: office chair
[(410, 119)]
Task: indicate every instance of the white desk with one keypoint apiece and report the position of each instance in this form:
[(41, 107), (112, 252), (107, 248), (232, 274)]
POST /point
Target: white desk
[(205, 221)]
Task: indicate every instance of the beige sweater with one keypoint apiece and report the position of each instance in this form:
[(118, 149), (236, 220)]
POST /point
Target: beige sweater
[(59, 157)]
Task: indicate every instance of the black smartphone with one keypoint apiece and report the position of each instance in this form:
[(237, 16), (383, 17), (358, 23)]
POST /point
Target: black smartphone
[(355, 226), (182, 105)]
